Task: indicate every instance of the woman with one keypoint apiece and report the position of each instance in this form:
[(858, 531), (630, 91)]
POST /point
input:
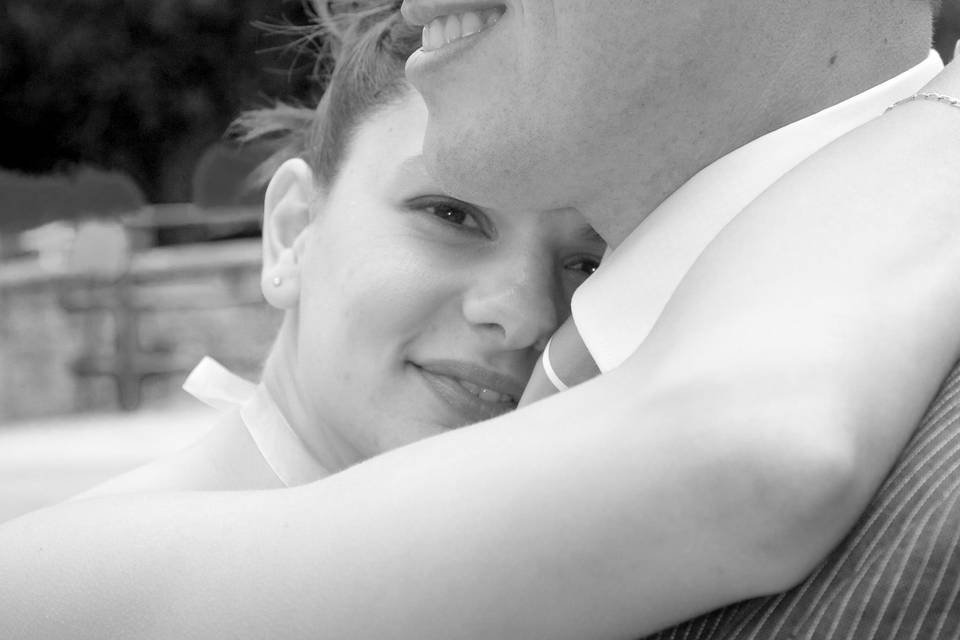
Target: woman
[(407, 312), (472, 533)]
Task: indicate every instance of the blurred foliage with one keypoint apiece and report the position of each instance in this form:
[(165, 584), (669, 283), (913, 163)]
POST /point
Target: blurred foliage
[(142, 86), (28, 201), (947, 28)]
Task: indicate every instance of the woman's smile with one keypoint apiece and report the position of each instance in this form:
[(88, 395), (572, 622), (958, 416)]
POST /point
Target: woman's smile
[(431, 311), (474, 392)]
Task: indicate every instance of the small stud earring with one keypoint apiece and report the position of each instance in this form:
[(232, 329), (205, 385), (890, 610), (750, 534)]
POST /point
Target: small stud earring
[(277, 281)]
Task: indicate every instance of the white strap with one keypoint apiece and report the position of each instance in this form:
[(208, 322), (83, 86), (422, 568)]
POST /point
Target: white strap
[(548, 369), (213, 384), (282, 449)]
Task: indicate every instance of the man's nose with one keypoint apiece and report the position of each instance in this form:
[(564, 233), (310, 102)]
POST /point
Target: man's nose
[(519, 301)]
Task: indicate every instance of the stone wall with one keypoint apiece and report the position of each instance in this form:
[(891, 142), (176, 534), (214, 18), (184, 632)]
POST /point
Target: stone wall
[(193, 300)]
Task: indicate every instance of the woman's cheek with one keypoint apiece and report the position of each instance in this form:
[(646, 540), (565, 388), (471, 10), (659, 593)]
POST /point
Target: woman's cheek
[(397, 287)]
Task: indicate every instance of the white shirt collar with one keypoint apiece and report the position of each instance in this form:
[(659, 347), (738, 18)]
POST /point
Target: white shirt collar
[(613, 319), (281, 447)]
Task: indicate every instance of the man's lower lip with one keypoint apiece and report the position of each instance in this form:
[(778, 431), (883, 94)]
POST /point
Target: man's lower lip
[(465, 404)]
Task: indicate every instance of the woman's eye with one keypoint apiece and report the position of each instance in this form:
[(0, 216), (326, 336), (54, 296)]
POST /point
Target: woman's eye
[(587, 266), (450, 211), (454, 215)]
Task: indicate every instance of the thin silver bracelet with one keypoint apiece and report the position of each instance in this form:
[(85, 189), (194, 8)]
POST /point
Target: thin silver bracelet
[(552, 376), (934, 97)]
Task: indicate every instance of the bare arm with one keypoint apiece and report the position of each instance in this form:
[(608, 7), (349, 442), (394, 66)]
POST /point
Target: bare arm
[(605, 512)]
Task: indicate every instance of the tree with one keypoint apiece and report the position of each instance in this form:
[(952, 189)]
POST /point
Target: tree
[(141, 86)]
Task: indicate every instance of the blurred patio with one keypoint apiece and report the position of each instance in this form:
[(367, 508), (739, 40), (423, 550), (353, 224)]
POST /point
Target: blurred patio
[(45, 461)]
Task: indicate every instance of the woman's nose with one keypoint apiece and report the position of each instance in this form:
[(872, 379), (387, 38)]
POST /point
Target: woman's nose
[(521, 303)]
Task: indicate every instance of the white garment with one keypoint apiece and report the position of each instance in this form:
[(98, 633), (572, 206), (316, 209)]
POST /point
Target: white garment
[(617, 307), (282, 449)]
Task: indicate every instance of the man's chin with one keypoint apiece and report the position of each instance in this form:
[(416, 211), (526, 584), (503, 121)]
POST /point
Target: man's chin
[(480, 153), (457, 165)]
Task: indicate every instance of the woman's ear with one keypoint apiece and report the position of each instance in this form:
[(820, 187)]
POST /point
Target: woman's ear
[(286, 215)]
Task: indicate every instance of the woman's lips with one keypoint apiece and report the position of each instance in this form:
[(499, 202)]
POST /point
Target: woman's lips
[(473, 392)]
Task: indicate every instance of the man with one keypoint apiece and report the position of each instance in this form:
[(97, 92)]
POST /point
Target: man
[(631, 109), (700, 471)]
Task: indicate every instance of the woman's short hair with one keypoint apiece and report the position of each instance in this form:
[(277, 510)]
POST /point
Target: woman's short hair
[(368, 43)]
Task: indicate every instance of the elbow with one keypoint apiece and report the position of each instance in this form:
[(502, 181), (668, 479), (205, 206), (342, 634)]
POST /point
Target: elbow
[(790, 462), (807, 495)]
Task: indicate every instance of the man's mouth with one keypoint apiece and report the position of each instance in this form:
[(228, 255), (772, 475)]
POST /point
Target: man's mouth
[(446, 29)]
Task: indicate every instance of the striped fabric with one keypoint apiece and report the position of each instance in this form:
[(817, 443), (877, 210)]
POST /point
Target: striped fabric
[(895, 577)]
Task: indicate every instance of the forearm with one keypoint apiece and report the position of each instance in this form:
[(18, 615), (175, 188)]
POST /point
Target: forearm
[(471, 535), (545, 523)]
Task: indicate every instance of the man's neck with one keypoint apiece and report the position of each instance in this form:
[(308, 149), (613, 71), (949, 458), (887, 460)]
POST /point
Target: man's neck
[(618, 208)]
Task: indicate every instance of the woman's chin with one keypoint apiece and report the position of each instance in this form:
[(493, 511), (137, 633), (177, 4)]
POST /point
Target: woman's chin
[(408, 432)]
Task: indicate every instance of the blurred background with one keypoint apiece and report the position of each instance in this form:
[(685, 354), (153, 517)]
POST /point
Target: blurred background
[(128, 231)]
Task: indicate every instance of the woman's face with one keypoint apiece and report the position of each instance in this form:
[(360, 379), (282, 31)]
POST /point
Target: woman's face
[(421, 313)]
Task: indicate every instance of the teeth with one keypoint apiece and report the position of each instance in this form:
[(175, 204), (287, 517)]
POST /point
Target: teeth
[(470, 24), (435, 41), (451, 31), (446, 29), (475, 389), (485, 394), (492, 396)]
